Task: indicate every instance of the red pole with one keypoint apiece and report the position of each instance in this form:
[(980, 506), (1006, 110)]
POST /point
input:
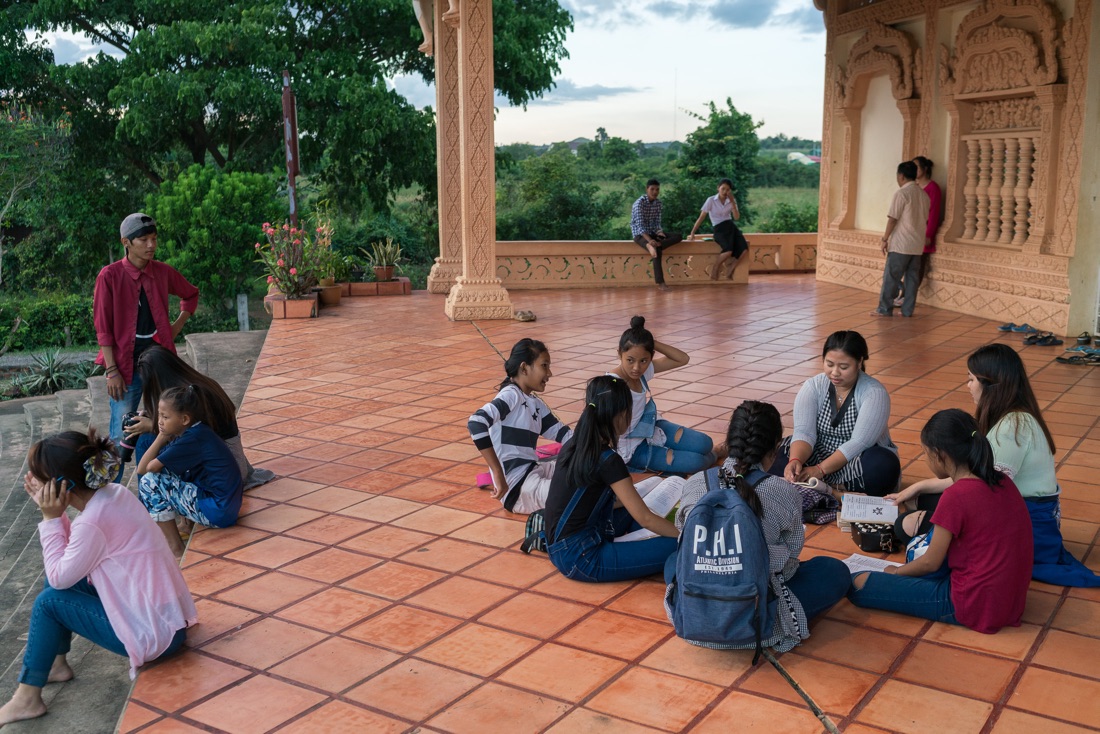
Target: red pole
[(290, 138)]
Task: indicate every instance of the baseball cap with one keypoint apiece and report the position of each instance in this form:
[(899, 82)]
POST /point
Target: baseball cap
[(137, 225)]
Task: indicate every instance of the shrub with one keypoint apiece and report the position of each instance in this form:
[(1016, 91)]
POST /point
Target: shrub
[(789, 218), (51, 321)]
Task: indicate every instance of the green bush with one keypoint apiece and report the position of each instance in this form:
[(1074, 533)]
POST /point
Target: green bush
[(789, 218), (51, 321)]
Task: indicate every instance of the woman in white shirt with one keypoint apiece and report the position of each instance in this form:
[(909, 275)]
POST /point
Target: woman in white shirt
[(723, 212)]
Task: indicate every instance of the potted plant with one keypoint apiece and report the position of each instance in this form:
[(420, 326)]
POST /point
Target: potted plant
[(292, 266), (384, 258), (327, 290)]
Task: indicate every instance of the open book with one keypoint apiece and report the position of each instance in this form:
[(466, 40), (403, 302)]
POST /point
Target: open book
[(861, 508)]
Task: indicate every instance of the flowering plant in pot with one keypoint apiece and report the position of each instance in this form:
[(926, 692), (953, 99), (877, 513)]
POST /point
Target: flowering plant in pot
[(290, 259), (384, 258)]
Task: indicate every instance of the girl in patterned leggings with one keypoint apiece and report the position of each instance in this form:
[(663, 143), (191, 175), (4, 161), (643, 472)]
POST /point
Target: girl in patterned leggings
[(188, 470)]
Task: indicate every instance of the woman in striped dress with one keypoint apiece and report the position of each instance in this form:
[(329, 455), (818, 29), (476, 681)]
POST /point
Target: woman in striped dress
[(841, 425)]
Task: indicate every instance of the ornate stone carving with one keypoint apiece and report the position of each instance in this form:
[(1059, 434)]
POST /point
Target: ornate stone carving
[(1074, 51), (1007, 114), (881, 50), (448, 266)]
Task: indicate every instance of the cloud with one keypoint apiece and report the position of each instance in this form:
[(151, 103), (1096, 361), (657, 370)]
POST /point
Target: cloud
[(734, 14), (76, 48), (806, 20), (414, 89), (567, 91), (742, 13), (600, 12), (67, 52)]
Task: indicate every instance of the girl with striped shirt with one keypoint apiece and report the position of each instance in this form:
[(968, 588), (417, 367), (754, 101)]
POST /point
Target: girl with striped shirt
[(507, 429)]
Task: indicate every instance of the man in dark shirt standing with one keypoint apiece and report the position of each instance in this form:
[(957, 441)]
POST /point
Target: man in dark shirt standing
[(130, 308), (645, 226)]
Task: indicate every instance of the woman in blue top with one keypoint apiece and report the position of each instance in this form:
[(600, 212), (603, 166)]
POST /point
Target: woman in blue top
[(188, 470), (841, 425), (649, 442)]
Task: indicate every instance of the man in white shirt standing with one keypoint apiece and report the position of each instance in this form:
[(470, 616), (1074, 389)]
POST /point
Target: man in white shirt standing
[(903, 242)]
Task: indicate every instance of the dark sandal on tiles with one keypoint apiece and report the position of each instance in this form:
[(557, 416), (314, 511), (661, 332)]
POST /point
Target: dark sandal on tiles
[(1049, 340), (1036, 337), (1093, 359), (1084, 339), (1006, 327)]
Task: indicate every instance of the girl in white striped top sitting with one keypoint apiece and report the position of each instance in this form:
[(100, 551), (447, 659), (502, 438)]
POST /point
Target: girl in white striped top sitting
[(506, 430)]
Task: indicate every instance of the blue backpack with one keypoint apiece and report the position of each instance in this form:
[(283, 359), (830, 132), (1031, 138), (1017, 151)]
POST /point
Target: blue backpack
[(719, 594)]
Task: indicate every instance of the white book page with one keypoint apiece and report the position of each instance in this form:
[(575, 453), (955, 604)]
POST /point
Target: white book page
[(861, 508), (857, 563)]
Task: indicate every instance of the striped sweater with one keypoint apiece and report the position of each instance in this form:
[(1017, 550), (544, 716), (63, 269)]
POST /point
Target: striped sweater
[(511, 424)]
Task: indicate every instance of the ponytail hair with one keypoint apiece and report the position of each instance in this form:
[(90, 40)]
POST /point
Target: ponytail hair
[(192, 400), (637, 336), (525, 351), (924, 164), (84, 460), (754, 432), (955, 434), (605, 399)]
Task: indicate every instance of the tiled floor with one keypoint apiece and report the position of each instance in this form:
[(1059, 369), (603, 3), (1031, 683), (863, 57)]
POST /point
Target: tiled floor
[(374, 589)]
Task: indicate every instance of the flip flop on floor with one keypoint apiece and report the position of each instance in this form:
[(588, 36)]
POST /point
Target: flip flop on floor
[(1093, 359), (1084, 338), (1024, 329), (1034, 338), (1049, 340), (1006, 327)]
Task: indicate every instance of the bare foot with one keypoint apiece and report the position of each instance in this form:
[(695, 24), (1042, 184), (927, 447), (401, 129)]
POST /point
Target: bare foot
[(714, 272), (732, 271), (60, 672), (662, 287), (880, 314), (23, 706), (652, 250)]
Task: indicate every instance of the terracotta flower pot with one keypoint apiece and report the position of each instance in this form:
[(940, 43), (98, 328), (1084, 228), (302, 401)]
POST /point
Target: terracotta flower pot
[(280, 307), (330, 294), (326, 282), (382, 274)]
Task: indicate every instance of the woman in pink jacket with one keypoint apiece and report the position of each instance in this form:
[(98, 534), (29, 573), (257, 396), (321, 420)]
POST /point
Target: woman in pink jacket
[(110, 577)]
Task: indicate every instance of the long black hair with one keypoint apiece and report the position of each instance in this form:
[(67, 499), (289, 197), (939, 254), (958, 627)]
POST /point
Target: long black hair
[(605, 400), (1005, 388), (755, 430), (851, 343), (637, 336), (955, 434), (63, 455), (161, 369), (525, 351)]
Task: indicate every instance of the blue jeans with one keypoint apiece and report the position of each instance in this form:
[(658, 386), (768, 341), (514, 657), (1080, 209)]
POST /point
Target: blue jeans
[(144, 441), (589, 556), (129, 403), (1053, 563), (820, 583), (693, 452), (57, 614), (927, 597)]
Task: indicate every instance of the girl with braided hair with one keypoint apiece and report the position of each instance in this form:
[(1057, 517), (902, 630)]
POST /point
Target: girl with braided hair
[(188, 470), (109, 576), (804, 589)]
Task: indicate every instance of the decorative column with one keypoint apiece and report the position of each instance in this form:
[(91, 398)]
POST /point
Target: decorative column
[(996, 181), (1051, 99), (985, 145), (1008, 190), (448, 123), (477, 293), (1023, 190), (970, 217), (853, 120)]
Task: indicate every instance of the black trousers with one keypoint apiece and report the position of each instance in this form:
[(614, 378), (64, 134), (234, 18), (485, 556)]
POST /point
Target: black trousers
[(661, 243)]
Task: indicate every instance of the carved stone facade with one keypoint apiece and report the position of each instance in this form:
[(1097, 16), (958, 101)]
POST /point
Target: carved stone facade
[(1008, 97)]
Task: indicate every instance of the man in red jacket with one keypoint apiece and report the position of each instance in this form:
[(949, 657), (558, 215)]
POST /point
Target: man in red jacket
[(130, 309)]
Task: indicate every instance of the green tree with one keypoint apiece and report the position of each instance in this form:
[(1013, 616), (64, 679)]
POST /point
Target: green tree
[(209, 221), (552, 201), (725, 147)]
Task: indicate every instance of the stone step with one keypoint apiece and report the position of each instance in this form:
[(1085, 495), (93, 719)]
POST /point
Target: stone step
[(99, 404), (43, 418), (229, 358), (75, 407)]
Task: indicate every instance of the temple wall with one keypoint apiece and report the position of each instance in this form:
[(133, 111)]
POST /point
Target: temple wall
[(997, 93)]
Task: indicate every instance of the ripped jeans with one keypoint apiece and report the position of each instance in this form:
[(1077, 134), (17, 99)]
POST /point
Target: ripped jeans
[(686, 451)]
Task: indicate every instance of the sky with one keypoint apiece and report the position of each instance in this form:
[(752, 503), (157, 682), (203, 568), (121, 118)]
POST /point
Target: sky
[(642, 68)]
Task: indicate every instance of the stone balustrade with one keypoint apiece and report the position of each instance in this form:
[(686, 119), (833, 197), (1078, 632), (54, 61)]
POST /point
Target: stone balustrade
[(621, 263)]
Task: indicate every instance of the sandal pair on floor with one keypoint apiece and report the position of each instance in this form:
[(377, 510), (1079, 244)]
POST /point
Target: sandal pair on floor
[(1043, 339), (1093, 359)]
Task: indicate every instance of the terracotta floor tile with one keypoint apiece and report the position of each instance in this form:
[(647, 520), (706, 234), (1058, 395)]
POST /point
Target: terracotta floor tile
[(497, 708), (535, 615), (183, 679), (888, 621), (216, 574), (857, 648), (269, 592), (274, 552), (335, 664), (435, 519), (393, 580), (647, 599), (1080, 616), (333, 609), (284, 489), (215, 541), (170, 726), (332, 473), (376, 482), (382, 509), (329, 499), (562, 672), (214, 619), (512, 569), (971, 674), (743, 712), (448, 555), (420, 466), (655, 699), (461, 596), (1070, 653), (279, 518), (834, 688), (250, 505), (135, 716), (474, 500), (1010, 642), (1040, 607), (558, 585), (256, 706), (1058, 695), (386, 541), (371, 459), (403, 628), (426, 490), (413, 689), (264, 643), (911, 709), (338, 717), (476, 649), (332, 565), (720, 667), (331, 529), (583, 721), (615, 634), (1017, 722), (494, 531), (192, 558)]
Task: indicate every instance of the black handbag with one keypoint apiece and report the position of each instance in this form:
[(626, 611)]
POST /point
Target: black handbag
[(875, 537)]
